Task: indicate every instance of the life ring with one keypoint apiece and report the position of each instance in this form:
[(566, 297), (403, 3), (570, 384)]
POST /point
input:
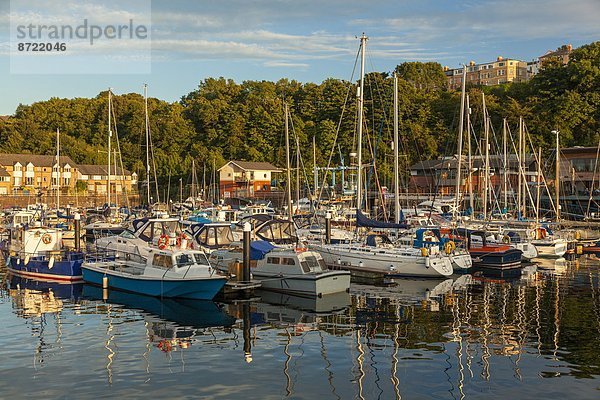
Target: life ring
[(506, 239), (46, 238), (301, 249), (163, 241), (449, 247), (532, 234), (424, 251)]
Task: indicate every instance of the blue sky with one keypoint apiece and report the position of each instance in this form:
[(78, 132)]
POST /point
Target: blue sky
[(309, 40)]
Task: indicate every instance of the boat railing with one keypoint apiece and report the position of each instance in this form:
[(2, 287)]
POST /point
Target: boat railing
[(106, 255), (63, 255)]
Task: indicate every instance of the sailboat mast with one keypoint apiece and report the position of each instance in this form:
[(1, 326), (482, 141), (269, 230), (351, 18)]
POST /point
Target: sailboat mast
[(58, 168), (109, 143), (147, 143), (288, 167), (524, 186), (460, 142), (396, 167), (520, 161), (363, 45), (539, 184), (469, 158), (557, 183), (505, 149), (297, 174), (486, 175), (315, 172)]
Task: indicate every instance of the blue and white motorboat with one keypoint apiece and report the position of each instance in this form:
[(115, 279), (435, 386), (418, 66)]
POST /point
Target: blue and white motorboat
[(162, 273), (39, 252)]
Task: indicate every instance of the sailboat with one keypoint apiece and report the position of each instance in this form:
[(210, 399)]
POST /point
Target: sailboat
[(376, 254)]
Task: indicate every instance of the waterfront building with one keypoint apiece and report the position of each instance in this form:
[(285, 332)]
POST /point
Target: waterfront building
[(491, 73), (439, 175), (578, 169), (245, 178), (34, 172), (95, 178)]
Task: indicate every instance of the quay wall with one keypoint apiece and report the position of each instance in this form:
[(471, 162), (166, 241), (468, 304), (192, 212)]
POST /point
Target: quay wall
[(75, 201)]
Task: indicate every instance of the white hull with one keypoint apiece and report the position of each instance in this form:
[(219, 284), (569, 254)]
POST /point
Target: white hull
[(391, 263), (306, 285), (461, 261), (529, 250), (551, 249)]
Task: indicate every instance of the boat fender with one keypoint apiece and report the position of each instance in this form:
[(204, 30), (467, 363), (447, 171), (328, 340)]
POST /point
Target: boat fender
[(577, 235), (449, 247), (424, 251), (182, 240), (163, 241), (51, 262), (26, 261), (506, 239), (541, 233), (46, 238)]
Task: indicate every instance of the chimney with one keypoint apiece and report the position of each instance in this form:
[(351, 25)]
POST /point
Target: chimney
[(471, 63), (499, 58)]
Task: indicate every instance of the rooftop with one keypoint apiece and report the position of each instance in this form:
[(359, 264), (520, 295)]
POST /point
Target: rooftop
[(37, 160)]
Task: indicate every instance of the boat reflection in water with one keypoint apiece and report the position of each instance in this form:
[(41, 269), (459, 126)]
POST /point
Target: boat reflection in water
[(42, 303), (184, 312)]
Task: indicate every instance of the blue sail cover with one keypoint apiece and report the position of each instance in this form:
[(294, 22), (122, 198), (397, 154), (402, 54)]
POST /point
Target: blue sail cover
[(259, 248), (363, 221)]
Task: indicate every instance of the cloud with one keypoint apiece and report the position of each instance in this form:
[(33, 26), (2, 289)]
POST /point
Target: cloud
[(285, 64)]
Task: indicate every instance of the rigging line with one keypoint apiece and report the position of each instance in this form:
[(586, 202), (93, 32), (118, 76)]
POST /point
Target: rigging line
[(120, 158), (350, 85), (543, 176), (593, 180)]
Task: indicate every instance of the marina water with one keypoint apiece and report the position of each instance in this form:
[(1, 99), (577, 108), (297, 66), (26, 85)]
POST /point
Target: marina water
[(534, 336)]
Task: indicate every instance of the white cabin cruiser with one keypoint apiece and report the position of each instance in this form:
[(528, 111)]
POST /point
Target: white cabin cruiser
[(296, 271)]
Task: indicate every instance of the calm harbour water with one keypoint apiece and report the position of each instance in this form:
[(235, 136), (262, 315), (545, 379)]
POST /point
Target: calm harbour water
[(469, 337)]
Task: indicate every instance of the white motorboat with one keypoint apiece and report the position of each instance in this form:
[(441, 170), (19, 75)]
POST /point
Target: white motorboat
[(297, 271)]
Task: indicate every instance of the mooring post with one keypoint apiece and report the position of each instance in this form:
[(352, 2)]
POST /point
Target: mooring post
[(246, 266), (77, 219), (328, 228), (246, 332)]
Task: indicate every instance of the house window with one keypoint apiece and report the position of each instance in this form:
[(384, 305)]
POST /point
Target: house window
[(265, 175), (29, 181), (17, 167)]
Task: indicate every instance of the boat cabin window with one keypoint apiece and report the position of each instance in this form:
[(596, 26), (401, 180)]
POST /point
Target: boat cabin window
[(201, 259), (185, 259), (162, 261), (127, 234), (171, 227), (224, 235), (148, 233), (310, 263), (281, 260)]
